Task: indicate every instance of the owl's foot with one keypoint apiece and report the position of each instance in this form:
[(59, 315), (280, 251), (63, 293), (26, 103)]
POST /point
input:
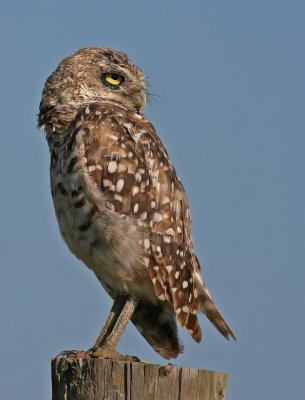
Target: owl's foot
[(72, 354), (109, 353), (106, 343), (102, 352)]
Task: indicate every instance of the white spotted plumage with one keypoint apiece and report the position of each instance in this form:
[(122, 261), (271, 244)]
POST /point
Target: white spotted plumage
[(120, 205)]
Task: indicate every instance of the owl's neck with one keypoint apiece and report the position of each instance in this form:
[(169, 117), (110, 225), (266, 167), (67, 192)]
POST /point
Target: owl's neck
[(55, 120)]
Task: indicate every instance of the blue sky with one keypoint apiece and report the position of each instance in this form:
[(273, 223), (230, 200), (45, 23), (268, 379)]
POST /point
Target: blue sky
[(230, 108)]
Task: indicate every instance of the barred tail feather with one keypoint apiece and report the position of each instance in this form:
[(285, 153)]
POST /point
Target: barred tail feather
[(209, 308)]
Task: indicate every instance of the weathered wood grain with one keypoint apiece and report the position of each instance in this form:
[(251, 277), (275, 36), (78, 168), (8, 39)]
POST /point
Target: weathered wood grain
[(101, 379)]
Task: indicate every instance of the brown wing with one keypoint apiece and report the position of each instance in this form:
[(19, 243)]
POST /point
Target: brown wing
[(129, 163)]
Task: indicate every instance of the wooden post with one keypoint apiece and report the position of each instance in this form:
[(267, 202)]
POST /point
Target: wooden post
[(101, 379)]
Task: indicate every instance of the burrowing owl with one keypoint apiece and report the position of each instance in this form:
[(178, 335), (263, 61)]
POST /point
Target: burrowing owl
[(120, 205)]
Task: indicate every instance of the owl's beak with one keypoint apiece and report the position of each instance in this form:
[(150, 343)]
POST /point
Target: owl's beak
[(140, 101)]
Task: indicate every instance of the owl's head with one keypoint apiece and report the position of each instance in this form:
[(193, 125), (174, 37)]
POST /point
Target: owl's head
[(94, 75)]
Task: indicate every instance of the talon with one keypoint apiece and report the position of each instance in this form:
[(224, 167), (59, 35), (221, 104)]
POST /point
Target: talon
[(132, 358), (106, 353), (73, 354)]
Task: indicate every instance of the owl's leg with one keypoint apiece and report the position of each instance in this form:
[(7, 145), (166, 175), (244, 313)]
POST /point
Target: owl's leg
[(106, 343), (116, 309)]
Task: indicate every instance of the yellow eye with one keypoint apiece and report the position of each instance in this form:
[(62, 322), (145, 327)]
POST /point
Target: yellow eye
[(113, 79)]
